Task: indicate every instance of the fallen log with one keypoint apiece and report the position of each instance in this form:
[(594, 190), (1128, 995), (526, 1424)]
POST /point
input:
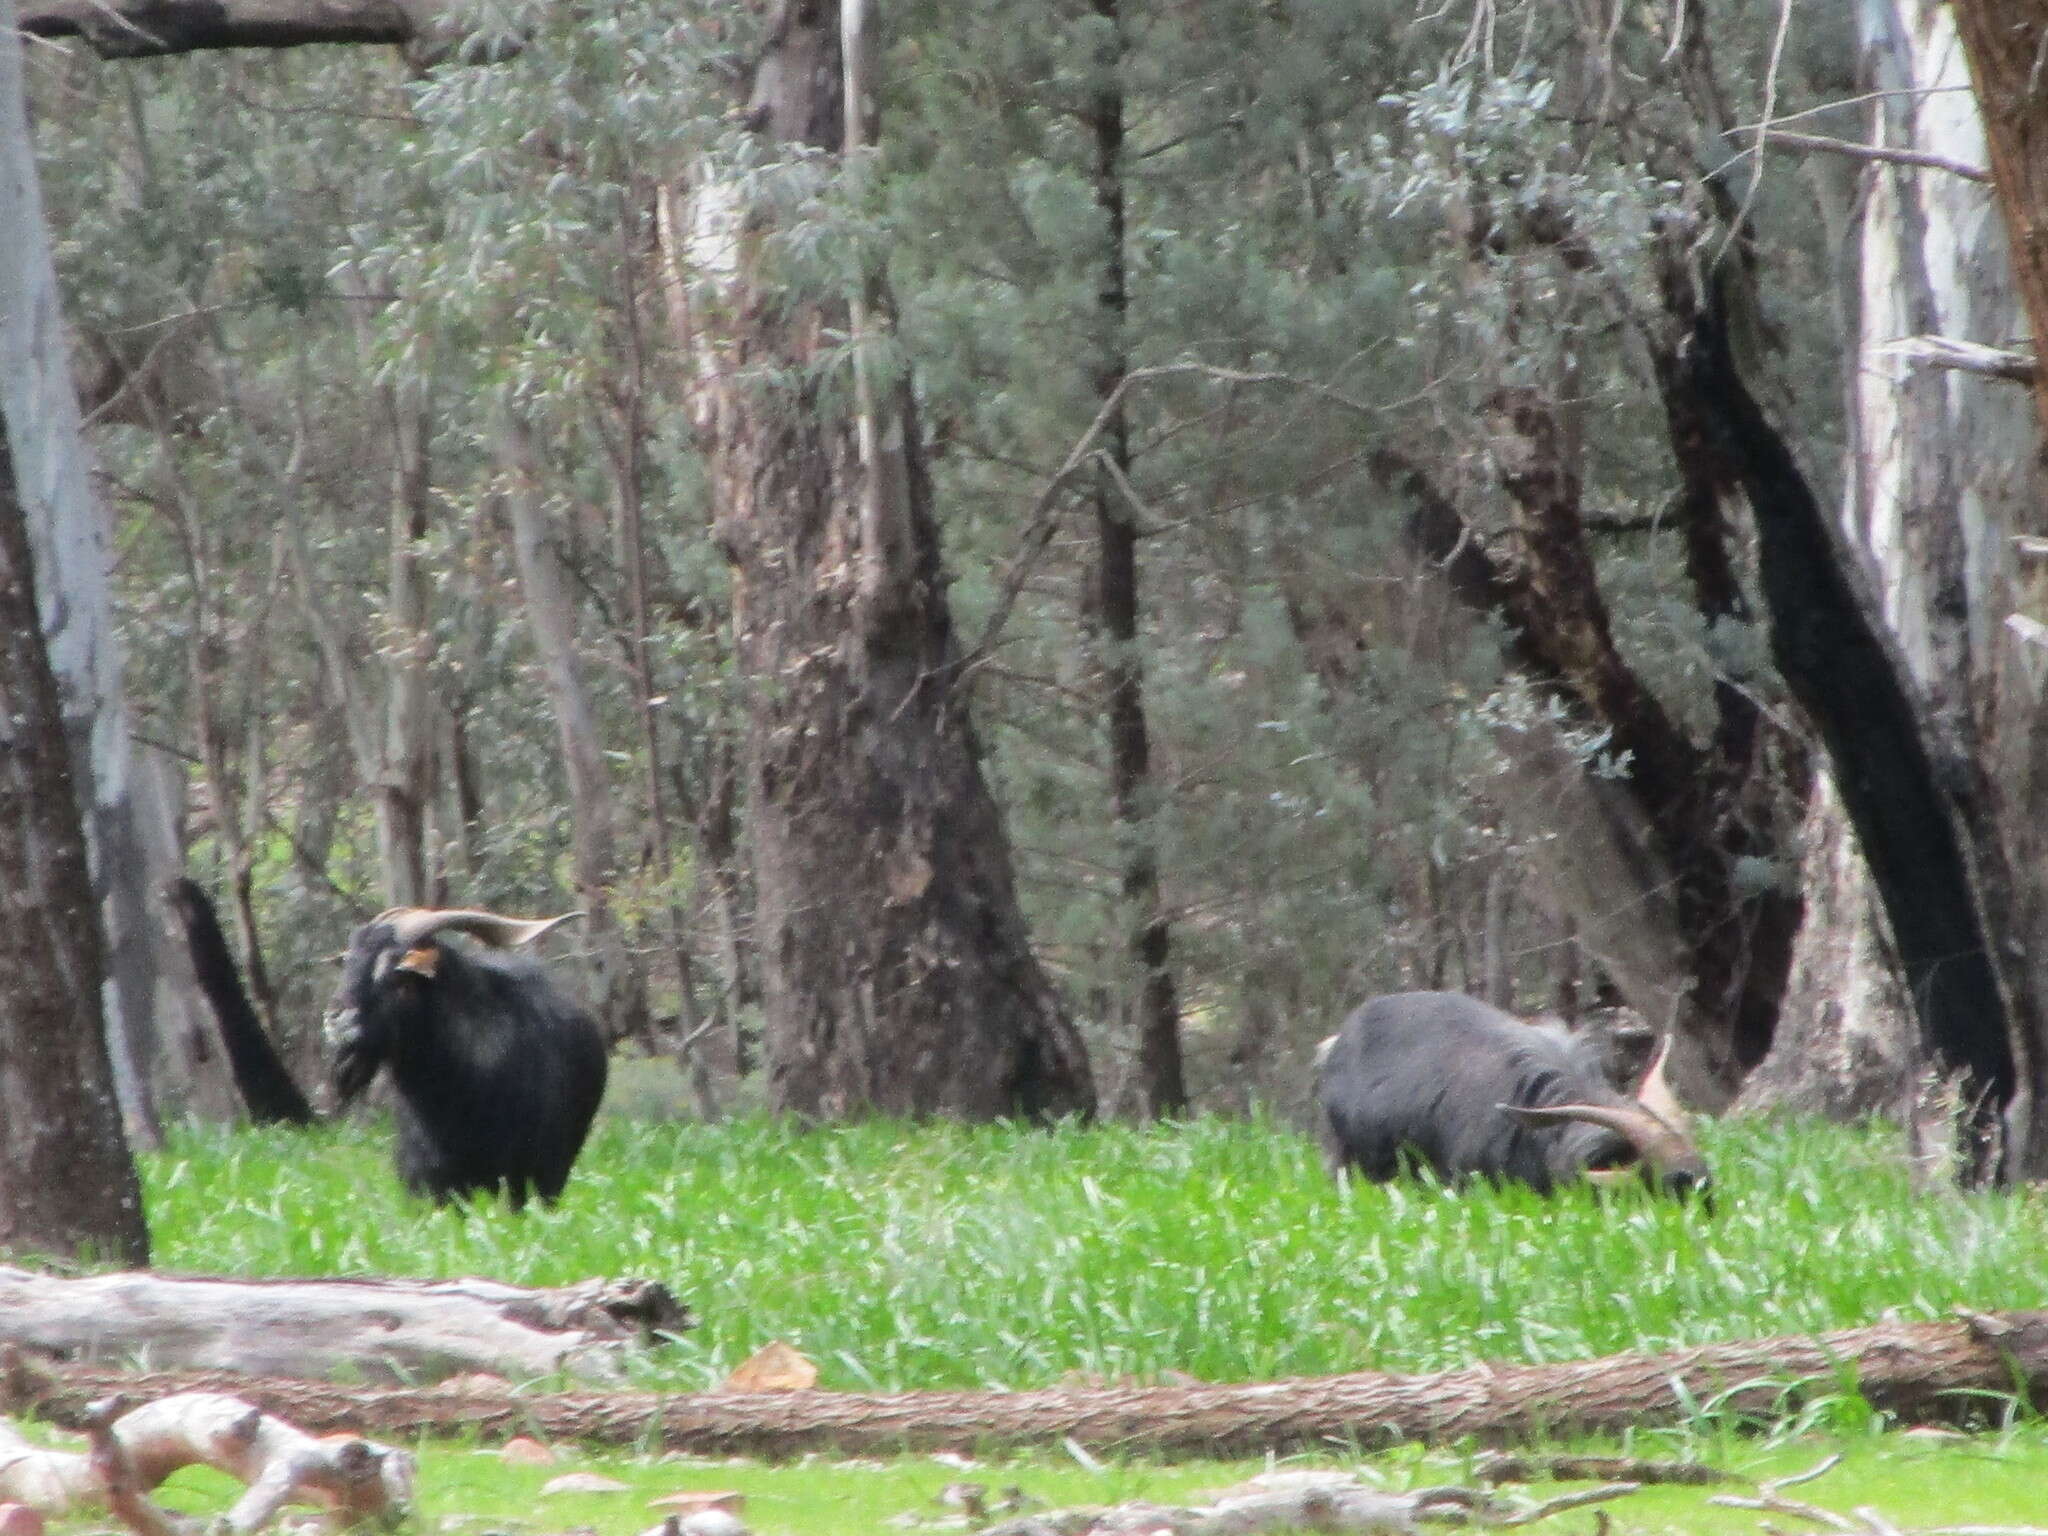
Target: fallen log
[(408, 1331), (134, 1450), (1915, 1371)]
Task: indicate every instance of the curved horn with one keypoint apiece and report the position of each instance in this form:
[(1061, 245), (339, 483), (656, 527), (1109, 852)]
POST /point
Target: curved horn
[(1655, 1094), (411, 925), (1665, 1148)]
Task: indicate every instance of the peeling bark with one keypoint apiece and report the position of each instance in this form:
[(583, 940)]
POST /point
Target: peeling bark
[(1944, 483)]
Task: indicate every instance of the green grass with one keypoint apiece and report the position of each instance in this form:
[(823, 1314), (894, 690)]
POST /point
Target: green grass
[(940, 1256), (1991, 1478)]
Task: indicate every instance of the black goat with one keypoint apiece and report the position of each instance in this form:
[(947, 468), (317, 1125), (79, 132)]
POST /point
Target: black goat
[(1446, 1082), (496, 1074)]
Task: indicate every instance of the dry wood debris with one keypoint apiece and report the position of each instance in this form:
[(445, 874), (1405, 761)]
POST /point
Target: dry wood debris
[(1316, 1501), (130, 1453), (1770, 1498), (409, 1331)]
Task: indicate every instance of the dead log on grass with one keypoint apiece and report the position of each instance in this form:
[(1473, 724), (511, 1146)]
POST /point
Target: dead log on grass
[(411, 1331), (1954, 1369), (132, 1452)]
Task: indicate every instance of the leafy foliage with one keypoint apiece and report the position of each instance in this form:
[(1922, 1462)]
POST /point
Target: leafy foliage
[(1347, 226)]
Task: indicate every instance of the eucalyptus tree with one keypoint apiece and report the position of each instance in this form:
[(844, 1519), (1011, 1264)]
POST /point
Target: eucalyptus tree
[(67, 1181), (897, 972), (1393, 300), (1944, 488), (2005, 41)]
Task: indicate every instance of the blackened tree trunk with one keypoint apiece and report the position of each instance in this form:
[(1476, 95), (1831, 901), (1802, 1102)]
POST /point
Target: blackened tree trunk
[(1153, 999), (67, 1183), (897, 974), (1922, 814), (266, 1085), (1943, 468)]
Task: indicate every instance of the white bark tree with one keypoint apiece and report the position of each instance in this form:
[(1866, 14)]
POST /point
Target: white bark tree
[(1943, 474), (67, 1180), (128, 837)]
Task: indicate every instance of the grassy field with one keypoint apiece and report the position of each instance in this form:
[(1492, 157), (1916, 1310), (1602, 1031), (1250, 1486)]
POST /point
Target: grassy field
[(938, 1256)]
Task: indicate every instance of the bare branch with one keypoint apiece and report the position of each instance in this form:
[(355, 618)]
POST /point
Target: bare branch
[(1884, 153), (1966, 356)]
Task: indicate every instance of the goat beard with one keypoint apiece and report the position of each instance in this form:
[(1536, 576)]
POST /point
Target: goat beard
[(355, 1063)]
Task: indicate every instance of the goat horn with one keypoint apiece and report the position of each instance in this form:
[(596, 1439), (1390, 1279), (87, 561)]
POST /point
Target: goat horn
[(1662, 1146), (1655, 1094), (411, 925)]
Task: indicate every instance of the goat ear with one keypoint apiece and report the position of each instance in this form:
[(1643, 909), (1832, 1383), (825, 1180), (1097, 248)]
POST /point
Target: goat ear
[(421, 962)]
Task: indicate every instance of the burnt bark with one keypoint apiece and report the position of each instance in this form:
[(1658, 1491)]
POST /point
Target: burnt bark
[(1916, 1372), (67, 1183), (266, 1085), (897, 975), (1922, 815)]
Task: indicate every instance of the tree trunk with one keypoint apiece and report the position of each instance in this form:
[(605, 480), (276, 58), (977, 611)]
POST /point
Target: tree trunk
[(897, 975), (1919, 827), (268, 1091), (621, 1000), (1154, 1000), (68, 536), (67, 1184), (403, 784), (1849, 1045), (1689, 946), (1955, 1370), (2006, 42), (1944, 468)]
